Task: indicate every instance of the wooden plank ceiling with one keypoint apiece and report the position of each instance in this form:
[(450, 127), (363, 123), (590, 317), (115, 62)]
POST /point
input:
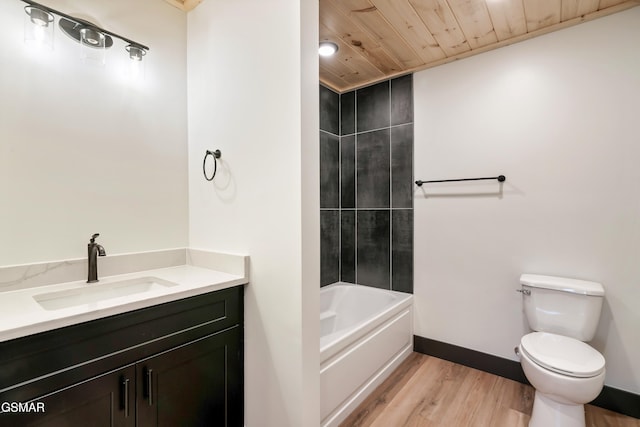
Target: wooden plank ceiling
[(380, 39), (185, 5)]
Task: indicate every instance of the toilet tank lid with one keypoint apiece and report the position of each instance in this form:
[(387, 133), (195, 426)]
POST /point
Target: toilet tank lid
[(564, 284)]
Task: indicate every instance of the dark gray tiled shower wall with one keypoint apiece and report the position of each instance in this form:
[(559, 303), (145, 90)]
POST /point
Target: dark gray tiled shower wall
[(366, 190)]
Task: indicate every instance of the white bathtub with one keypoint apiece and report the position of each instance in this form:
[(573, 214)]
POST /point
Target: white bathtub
[(365, 333)]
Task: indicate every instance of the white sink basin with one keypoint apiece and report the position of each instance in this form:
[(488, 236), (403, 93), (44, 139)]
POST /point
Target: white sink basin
[(91, 294)]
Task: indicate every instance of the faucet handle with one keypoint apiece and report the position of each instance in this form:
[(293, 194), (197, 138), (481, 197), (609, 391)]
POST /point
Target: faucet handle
[(93, 238)]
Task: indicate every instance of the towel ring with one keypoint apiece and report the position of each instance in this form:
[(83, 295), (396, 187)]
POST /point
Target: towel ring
[(216, 155)]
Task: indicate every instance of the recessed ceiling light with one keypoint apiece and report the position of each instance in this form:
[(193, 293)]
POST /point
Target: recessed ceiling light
[(327, 48)]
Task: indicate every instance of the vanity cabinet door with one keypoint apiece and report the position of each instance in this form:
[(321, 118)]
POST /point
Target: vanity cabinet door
[(104, 401), (198, 384)]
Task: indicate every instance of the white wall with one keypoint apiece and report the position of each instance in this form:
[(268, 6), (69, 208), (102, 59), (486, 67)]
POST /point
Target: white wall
[(82, 148), (558, 115), (253, 94)]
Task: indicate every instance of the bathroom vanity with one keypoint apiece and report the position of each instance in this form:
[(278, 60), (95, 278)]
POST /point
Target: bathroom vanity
[(175, 358)]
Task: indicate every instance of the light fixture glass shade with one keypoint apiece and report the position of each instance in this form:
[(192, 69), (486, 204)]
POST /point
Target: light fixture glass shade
[(136, 67), (93, 46), (38, 27), (135, 52), (327, 48)]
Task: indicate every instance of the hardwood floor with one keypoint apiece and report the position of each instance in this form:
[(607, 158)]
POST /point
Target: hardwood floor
[(429, 392)]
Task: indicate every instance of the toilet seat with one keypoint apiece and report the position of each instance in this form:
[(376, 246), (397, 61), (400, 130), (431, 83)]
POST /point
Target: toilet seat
[(564, 355)]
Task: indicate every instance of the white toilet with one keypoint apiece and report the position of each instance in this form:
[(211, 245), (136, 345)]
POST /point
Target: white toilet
[(565, 371)]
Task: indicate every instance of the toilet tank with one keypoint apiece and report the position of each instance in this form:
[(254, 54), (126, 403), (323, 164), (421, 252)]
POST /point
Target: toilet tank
[(563, 306)]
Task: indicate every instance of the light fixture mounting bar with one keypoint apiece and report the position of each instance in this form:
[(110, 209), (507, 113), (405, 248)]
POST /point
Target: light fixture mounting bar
[(81, 22)]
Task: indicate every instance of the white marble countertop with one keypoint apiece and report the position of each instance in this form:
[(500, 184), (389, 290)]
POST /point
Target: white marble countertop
[(22, 315)]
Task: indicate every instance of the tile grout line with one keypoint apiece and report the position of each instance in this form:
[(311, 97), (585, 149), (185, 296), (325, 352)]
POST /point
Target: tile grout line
[(329, 133), (340, 188), (382, 128), (390, 197), (355, 185), (367, 209)]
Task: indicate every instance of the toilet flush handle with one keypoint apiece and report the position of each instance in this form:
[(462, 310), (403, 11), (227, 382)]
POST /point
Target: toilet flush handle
[(524, 291)]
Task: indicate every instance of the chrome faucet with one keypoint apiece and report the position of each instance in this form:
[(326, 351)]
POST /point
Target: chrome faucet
[(93, 251)]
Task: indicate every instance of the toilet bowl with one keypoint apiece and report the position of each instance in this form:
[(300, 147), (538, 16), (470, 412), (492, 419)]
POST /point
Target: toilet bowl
[(565, 371), (566, 374)]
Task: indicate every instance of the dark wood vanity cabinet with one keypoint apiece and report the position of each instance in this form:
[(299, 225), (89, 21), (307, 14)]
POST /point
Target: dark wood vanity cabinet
[(97, 402), (174, 364), (189, 386)]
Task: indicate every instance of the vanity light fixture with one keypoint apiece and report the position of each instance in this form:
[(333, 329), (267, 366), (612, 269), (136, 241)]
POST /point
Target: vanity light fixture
[(38, 26), (135, 52), (93, 44), (93, 40), (85, 33), (136, 65), (38, 16), (327, 48)]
